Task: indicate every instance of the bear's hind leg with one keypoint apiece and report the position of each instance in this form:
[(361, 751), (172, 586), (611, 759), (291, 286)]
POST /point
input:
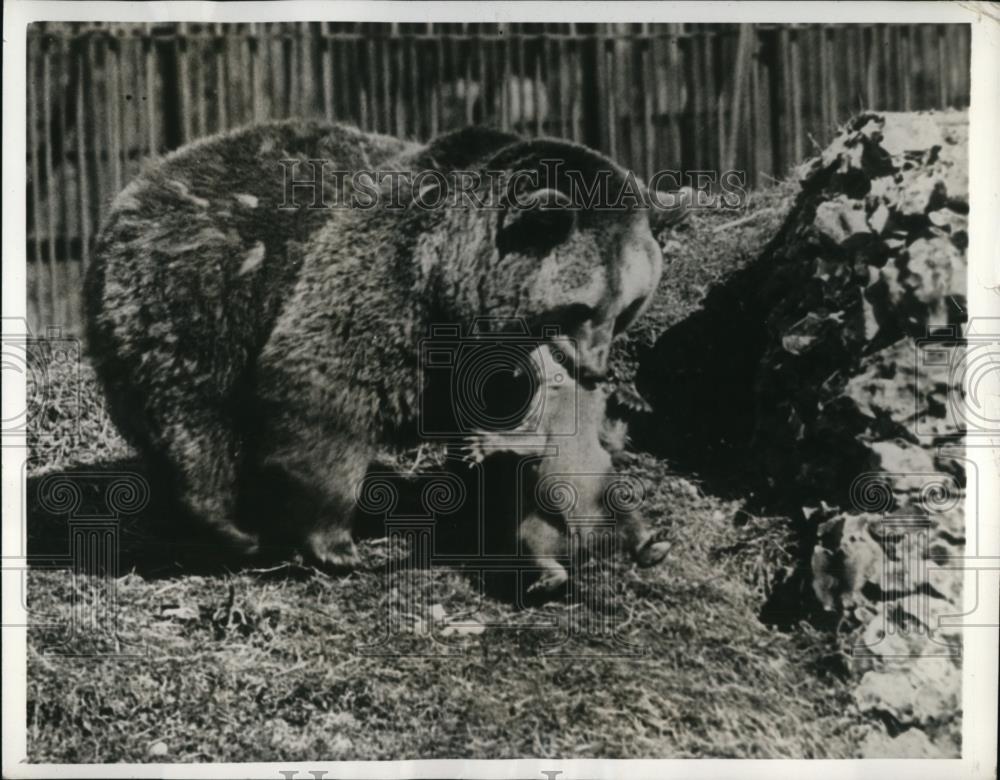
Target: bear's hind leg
[(314, 486), (201, 455), (544, 541)]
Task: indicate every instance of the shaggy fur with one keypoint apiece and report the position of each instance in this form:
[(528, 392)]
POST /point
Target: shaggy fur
[(252, 350)]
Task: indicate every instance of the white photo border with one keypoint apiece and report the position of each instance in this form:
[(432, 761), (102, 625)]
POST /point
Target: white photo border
[(979, 699)]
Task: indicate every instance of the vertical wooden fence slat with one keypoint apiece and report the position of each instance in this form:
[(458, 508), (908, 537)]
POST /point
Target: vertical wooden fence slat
[(760, 141), (648, 71), (485, 55), (744, 52), (326, 61), (416, 103), (139, 100), (184, 81), (34, 171), (712, 119), (626, 86), (239, 63), (851, 54), (610, 95), (152, 94), (341, 94), (562, 64), (124, 104), (960, 63), (256, 73), (312, 67), (275, 93), (287, 70), (50, 194), (293, 65), (221, 79), (537, 103), (471, 52), (693, 129), (399, 82), (368, 52), (198, 66), (65, 229), (544, 74), (113, 120), (901, 73), (98, 89), (905, 65), (384, 77), (889, 54), (504, 77), (82, 159), (795, 63), (571, 54), (679, 98), (70, 231), (828, 78), (428, 52), (717, 104), (921, 46), (521, 89)]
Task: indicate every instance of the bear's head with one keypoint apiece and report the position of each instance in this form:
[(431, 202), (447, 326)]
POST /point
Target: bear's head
[(544, 236)]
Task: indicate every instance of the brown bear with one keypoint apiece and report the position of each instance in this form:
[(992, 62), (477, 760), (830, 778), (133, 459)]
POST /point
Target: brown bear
[(259, 325)]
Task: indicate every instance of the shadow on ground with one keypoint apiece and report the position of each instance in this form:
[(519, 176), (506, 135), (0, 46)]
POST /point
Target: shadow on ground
[(117, 503)]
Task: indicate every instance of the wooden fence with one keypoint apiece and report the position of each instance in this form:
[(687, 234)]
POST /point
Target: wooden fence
[(760, 98)]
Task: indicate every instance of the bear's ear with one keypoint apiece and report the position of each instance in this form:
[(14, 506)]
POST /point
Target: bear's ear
[(537, 222), (465, 148)]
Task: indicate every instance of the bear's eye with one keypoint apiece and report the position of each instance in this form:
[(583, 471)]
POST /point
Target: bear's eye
[(544, 220)]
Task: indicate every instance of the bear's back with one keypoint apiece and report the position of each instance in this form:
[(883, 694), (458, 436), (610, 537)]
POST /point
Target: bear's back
[(198, 252)]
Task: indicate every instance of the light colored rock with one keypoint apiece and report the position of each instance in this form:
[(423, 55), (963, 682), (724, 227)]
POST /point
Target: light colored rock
[(158, 749), (903, 132), (912, 743), (955, 224), (907, 463), (846, 558), (935, 269), (919, 193), (887, 692), (842, 221), (879, 218)]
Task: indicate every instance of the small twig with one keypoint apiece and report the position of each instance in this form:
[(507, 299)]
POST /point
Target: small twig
[(741, 220), (417, 459)]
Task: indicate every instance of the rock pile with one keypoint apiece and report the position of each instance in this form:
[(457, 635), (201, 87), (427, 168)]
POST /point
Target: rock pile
[(831, 368)]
